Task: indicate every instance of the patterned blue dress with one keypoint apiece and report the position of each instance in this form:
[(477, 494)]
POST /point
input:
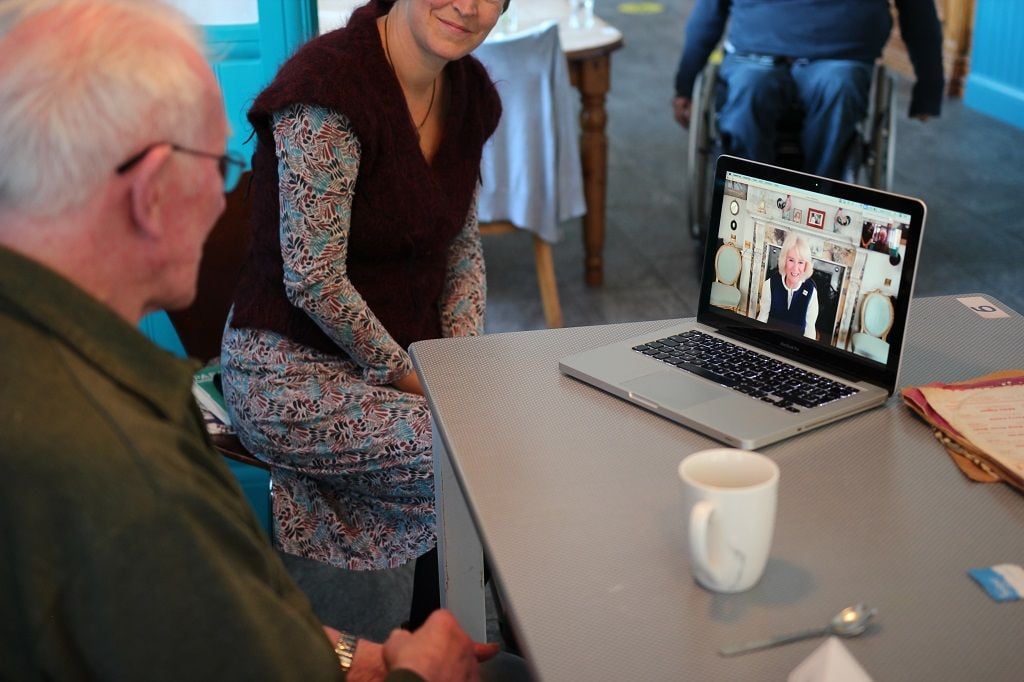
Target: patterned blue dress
[(350, 455)]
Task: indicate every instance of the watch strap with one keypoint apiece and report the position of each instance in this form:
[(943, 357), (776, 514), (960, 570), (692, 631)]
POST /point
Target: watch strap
[(345, 650)]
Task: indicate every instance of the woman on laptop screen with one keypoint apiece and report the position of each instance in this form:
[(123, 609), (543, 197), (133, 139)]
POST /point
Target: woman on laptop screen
[(788, 299)]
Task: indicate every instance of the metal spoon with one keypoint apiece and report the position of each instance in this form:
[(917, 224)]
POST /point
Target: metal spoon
[(849, 622)]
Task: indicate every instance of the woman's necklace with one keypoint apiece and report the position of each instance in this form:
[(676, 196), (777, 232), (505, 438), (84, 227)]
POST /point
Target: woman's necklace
[(433, 85)]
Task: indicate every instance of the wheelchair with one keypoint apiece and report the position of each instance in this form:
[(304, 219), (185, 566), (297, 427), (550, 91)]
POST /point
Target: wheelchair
[(869, 160)]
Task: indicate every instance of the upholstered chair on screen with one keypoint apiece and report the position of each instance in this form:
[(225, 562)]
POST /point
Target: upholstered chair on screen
[(201, 325), (724, 292), (530, 172), (876, 317)]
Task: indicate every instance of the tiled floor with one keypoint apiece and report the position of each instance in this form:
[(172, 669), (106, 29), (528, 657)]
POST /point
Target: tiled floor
[(968, 168)]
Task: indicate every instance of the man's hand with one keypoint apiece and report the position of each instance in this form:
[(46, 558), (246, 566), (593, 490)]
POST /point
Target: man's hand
[(681, 110), (368, 663), (410, 383), (439, 651)]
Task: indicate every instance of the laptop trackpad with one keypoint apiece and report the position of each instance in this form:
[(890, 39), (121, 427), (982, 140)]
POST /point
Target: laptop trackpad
[(674, 390)]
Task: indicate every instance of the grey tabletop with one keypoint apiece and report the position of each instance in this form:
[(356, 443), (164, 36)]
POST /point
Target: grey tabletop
[(575, 496)]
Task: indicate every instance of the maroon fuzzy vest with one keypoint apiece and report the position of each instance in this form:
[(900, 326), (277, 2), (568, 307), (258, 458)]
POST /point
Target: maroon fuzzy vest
[(405, 213)]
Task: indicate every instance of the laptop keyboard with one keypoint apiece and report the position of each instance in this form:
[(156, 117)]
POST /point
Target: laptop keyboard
[(760, 376)]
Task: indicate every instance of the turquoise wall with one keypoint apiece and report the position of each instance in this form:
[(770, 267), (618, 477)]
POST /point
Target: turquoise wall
[(995, 84)]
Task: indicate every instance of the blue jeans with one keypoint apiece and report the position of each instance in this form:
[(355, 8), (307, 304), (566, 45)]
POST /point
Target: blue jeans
[(758, 91)]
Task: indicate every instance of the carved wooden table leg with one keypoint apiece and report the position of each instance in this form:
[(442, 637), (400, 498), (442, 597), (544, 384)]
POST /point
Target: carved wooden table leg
[(592, 77)]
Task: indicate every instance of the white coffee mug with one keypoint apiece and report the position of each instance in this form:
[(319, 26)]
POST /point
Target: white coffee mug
[(729, 496)]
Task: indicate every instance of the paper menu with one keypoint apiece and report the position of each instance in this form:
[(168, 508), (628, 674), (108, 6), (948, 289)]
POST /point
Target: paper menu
[(988, 407), (992, 418)]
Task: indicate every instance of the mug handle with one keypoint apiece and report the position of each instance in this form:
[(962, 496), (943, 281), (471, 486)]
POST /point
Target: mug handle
[(700, 518)]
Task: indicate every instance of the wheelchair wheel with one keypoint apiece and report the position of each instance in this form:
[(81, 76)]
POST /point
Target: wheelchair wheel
[(881, 142), (700, 149)]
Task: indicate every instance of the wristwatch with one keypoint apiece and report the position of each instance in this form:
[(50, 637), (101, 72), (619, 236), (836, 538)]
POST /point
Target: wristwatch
[(345, 649)]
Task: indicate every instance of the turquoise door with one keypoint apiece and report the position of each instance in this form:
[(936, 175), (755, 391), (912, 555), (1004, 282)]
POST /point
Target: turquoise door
[(249, 42)]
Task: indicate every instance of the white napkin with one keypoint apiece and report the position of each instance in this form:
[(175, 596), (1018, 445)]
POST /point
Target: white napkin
[(830, 662)]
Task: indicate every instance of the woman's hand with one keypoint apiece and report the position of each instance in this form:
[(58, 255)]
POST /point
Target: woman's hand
[(410, 383)]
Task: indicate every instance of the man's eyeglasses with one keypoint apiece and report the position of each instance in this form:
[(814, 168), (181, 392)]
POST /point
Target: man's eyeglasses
[(231, 166)]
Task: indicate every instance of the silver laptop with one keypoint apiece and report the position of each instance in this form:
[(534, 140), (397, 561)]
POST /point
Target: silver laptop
[(804, 299)]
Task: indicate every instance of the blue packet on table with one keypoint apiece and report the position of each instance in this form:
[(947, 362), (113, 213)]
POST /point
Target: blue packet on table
[(1004, 582)]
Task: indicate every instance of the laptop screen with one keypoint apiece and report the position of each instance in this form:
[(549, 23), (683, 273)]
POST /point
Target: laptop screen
[(817, 269)]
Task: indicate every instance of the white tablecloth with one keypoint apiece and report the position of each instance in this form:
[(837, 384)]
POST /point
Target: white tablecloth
[(531, 169)]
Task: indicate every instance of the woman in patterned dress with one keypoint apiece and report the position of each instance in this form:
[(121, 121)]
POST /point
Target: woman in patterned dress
[(365, 239)]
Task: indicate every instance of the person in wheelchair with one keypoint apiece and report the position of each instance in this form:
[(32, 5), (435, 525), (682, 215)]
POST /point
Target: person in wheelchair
[(816, 54)]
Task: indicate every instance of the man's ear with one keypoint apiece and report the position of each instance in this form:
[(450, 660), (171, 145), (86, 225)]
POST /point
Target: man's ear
[(148, 190)]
